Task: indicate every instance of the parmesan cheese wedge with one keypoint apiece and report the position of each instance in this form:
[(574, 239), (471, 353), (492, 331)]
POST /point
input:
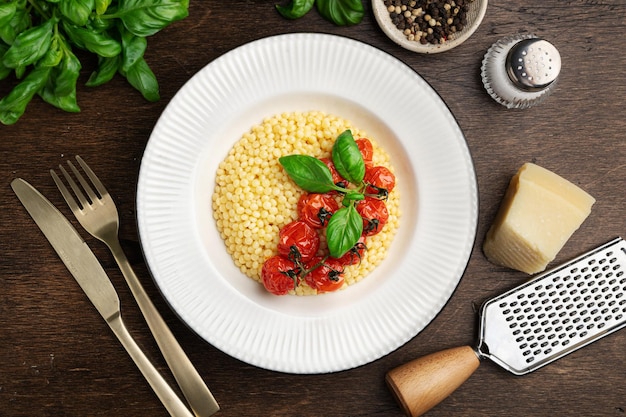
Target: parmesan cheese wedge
[(539, 213)]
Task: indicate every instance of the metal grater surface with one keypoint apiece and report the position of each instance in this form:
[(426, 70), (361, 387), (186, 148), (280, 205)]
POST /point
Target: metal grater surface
[(556, 312)]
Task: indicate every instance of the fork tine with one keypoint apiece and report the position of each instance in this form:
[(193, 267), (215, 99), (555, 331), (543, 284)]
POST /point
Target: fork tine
[(84, 202), (92, 176), (86, 186), (67, 195)]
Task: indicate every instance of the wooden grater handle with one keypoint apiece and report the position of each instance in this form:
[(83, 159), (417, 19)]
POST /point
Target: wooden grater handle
[(423, 383)]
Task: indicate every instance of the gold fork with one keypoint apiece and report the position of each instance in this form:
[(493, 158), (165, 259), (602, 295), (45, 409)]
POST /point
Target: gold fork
[(97, 213)]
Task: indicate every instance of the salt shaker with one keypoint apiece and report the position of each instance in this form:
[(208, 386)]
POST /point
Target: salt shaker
[(520, 71)]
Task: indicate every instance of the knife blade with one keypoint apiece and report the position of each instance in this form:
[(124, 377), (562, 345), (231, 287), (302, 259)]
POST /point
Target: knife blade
[(91, 277)]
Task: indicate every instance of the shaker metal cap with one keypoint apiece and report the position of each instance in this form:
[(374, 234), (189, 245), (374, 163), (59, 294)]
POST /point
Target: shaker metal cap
[(533, 64), (520, 71)]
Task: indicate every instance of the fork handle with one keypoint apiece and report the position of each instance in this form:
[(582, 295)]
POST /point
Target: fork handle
[(202, 402), (168, 397)]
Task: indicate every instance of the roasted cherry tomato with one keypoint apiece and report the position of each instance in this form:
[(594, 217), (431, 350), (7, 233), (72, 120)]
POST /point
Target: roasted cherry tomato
[(327, 277), (337, 178), (381, 181), (279, 275), (316, 209), (374, 213), (367, 150), (298, 241), (355, 254)]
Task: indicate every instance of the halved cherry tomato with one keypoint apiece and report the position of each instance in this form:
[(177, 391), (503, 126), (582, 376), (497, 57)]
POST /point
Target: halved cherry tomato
[(316, 209), (327, 277), (337, 178), (367, 150), (279, 275), (298, 241), (381, 181), (374, 213), (355, 254)]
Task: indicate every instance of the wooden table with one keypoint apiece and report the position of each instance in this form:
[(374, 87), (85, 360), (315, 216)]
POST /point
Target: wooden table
[(58, 358)]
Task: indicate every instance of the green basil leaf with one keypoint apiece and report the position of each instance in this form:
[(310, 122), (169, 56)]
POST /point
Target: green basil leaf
[(29, 46), (7, 11), (100, 43), (60, 89), (308, 173), (143, 79), (348, 159), (146, 17), (351, 196), (343, 231), (77, 11), (99, 24), (102, 6), (341, 12), (133, 48), (54, 55), (295, 9), (19, 22), (107, 68), (4, 70), (13, 105)]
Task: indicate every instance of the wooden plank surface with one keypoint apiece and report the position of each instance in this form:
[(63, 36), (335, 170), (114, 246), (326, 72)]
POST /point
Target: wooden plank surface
[(57, 356)]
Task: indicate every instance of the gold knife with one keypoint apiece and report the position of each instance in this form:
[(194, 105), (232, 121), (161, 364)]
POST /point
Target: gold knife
[(92, 278)]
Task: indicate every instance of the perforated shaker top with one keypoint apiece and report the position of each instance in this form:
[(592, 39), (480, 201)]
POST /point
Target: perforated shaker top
[(533, 64)]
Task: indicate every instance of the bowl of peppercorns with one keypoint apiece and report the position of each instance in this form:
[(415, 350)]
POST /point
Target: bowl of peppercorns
[(429, 26)]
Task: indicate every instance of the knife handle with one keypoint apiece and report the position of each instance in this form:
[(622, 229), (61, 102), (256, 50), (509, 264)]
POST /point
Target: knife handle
[(423, 383), (191, 384), (168, 397)]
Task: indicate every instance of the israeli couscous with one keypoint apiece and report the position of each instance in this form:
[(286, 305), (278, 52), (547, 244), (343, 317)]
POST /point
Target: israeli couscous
[(254, 198)]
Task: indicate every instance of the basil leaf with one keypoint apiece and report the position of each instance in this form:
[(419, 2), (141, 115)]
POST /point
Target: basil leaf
[(308, 173), (7, 11), (343, 231), (133, 48), (102, 6), (20, 22), (351, 196), (348, 159), (53, 56), (13, 105), (4, 70), (295, 9), (143, 79), (100, 43), (146, 17), (341, 12), (77, 11), (29, 46), (107, 68), (60, 89)]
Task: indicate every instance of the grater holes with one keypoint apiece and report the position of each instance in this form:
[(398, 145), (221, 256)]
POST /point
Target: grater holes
[(568, 306)]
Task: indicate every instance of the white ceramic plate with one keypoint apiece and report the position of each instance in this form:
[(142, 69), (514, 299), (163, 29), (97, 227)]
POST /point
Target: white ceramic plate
[(381, 95)]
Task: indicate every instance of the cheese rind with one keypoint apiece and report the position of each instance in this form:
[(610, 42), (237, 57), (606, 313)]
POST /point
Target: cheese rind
[(539, 213)]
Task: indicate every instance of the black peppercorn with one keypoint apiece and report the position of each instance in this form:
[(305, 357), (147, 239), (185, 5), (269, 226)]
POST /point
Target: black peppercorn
[(428, 21)]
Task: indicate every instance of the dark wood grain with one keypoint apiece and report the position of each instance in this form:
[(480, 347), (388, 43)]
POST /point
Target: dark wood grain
[(58, 358)]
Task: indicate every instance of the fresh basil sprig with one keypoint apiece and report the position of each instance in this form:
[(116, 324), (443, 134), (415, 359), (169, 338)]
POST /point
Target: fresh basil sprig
[(312, 175), (37, 37), (296, 9), (339, 12)]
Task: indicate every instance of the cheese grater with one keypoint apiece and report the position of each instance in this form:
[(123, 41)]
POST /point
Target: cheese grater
[(557, 312), (538, 322)]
